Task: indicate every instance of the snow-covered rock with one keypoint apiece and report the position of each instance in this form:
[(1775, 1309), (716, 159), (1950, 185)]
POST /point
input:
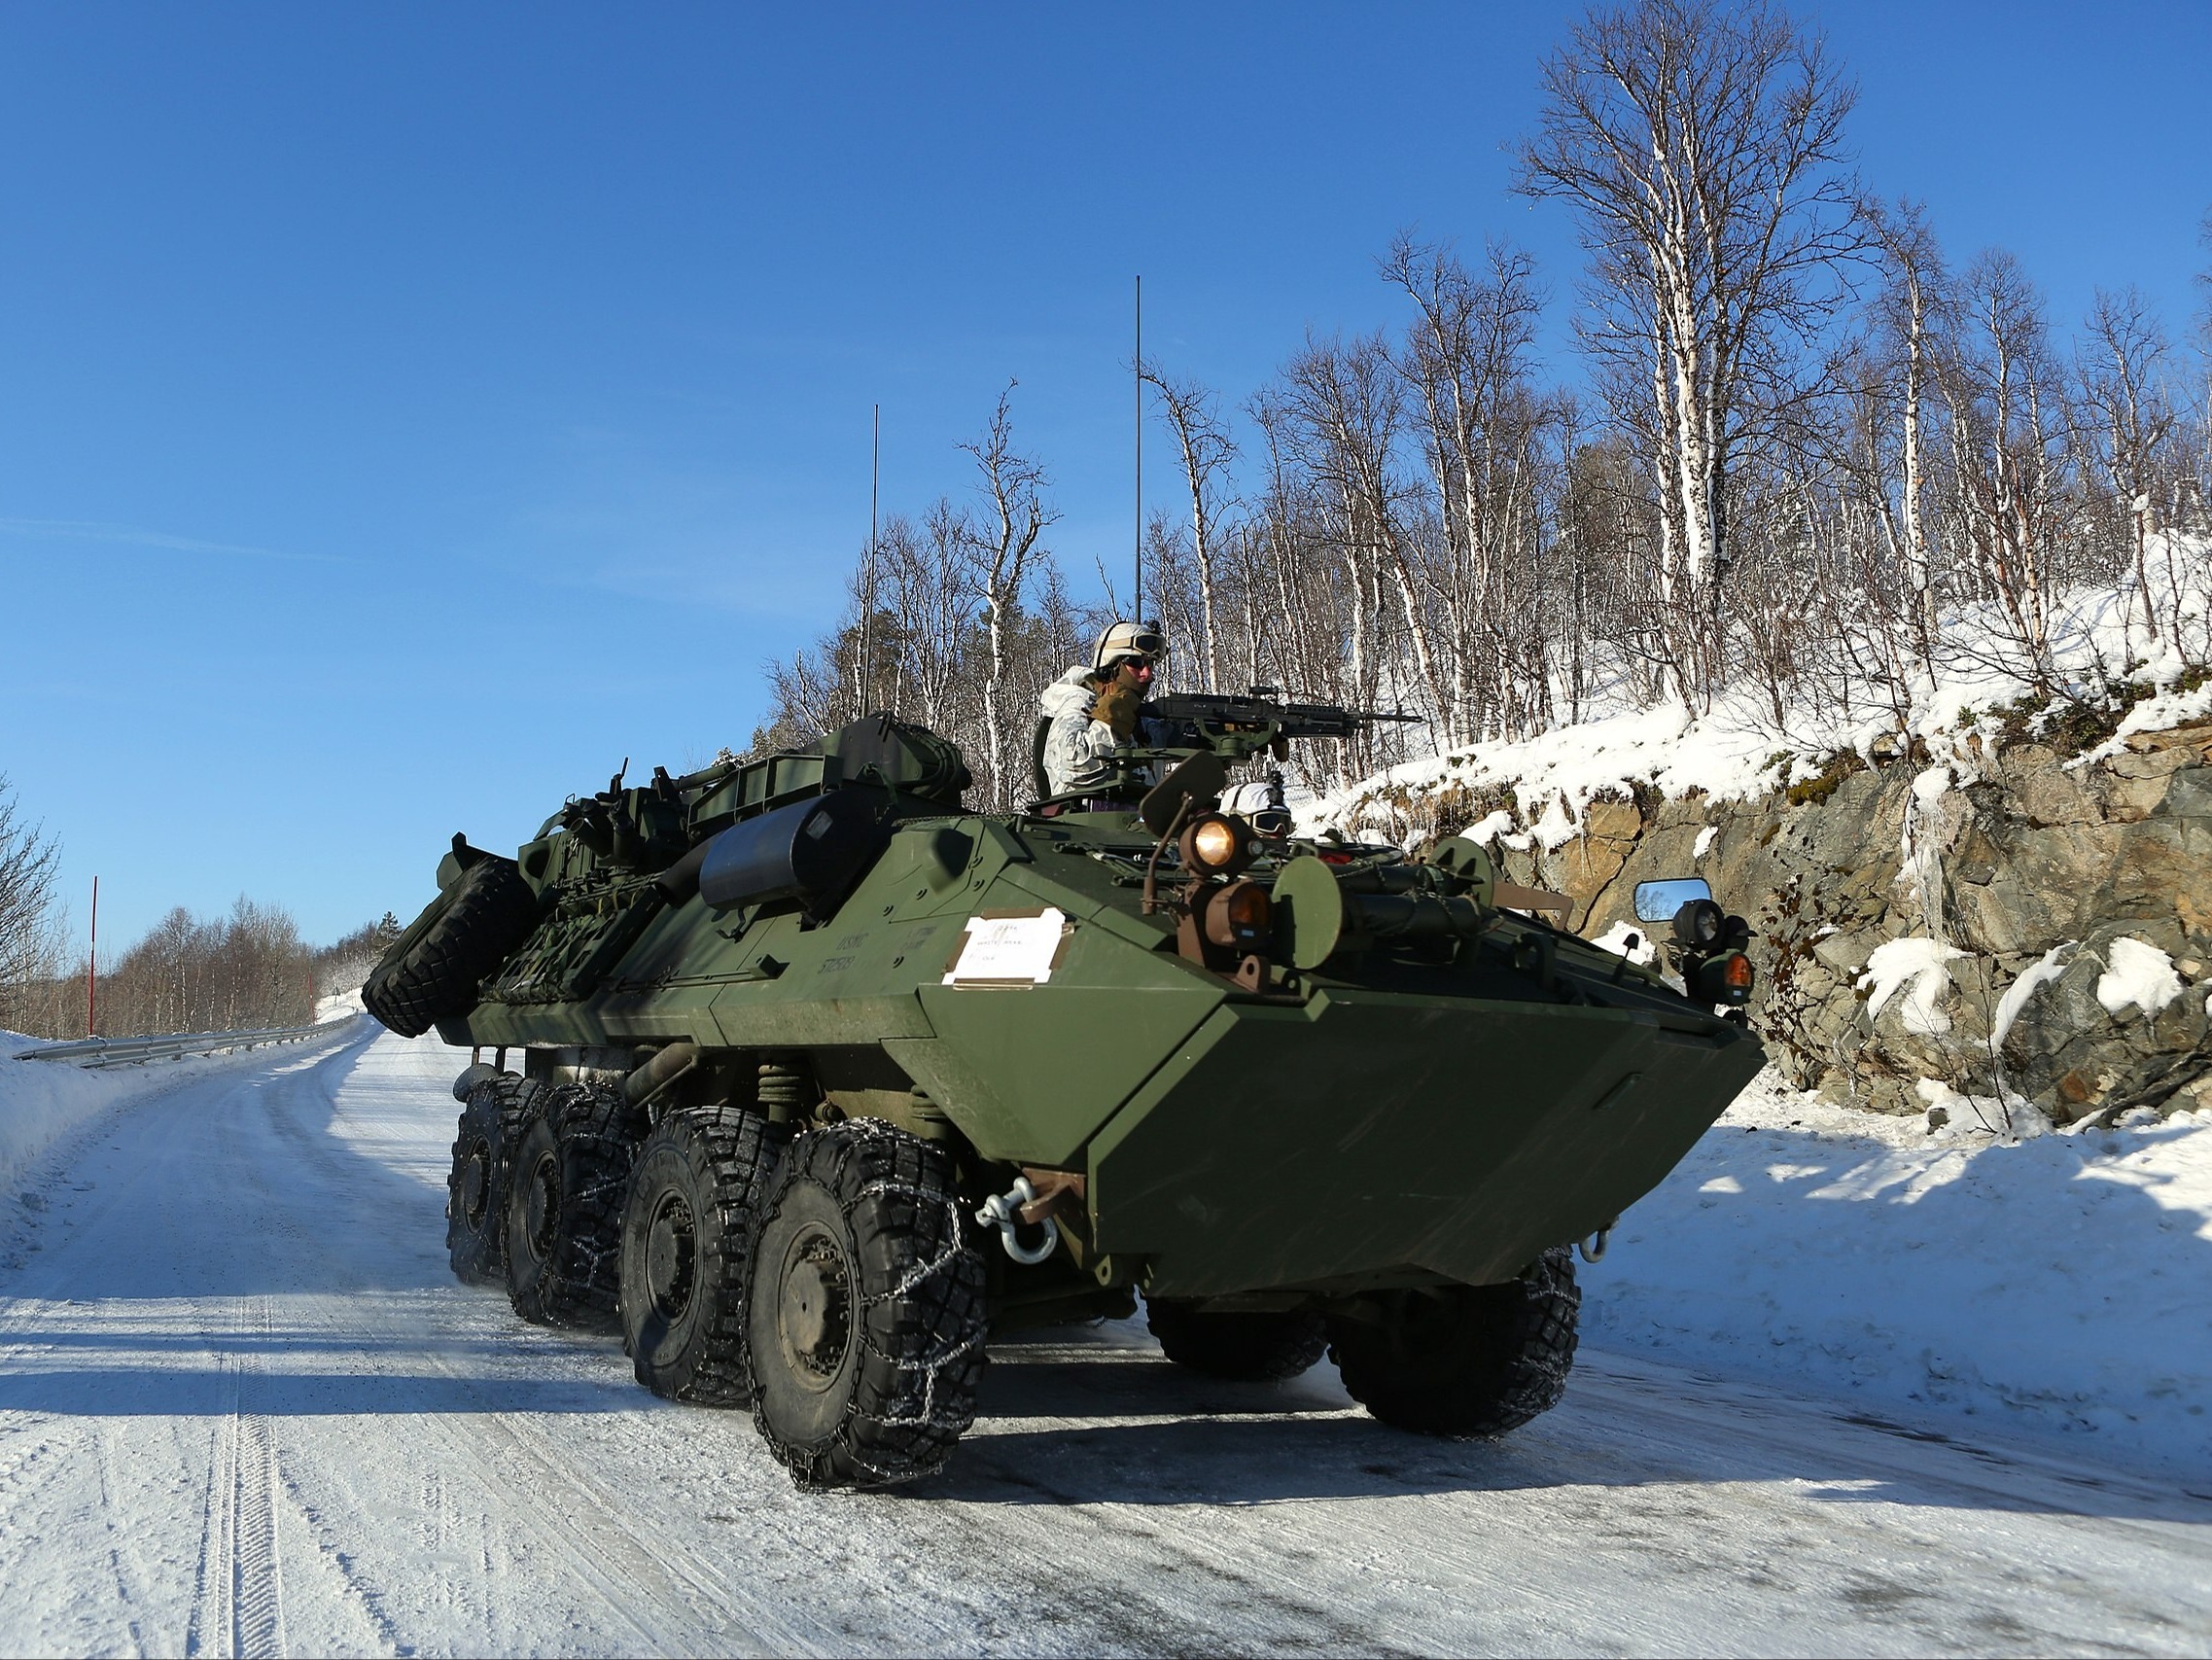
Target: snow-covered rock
[(2007, 920)]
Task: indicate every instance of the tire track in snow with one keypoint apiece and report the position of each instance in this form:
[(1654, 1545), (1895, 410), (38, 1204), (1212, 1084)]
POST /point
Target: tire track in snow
[(126, 1575), (19, 1463), (1177, 1576), (559, 1510), (554, 1507), (355, 1595), (238, 1601)]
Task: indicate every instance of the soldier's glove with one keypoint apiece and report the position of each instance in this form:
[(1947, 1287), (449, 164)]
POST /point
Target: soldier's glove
[(1116, 708)]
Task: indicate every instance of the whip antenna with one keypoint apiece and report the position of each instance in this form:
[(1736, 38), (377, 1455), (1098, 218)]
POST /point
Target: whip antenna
[(865, 692), (1137, 594)]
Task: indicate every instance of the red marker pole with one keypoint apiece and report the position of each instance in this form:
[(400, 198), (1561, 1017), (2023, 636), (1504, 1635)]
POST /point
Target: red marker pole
[(92, 962)]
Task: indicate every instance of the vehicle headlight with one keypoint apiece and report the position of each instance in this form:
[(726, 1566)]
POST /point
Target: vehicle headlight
[(1217, 844), (1698, 923)]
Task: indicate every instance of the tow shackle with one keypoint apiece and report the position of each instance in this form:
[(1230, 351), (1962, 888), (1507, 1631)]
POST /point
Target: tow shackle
[(1003, 1211)]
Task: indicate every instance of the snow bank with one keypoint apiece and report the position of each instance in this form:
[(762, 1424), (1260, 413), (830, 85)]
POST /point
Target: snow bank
[(2057, 1284), (2049, 968), (1616, 940), (41, 1102), (340, 1004)]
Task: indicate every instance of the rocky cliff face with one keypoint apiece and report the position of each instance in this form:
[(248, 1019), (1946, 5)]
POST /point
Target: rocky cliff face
[(2009, 924)]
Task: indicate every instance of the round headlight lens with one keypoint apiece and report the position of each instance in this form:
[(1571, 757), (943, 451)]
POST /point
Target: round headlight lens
[(1698, 923), (1214, 843)]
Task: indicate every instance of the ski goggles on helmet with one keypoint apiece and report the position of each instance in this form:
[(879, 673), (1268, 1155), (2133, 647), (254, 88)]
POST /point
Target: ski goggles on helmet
[(1126, 640)]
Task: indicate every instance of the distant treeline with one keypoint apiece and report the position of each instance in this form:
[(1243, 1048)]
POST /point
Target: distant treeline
[(245, 970)]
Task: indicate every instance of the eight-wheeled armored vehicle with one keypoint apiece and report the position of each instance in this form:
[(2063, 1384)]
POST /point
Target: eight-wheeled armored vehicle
[(809, 1081)]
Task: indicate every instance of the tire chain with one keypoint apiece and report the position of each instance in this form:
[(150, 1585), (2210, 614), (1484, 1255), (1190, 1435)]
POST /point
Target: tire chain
[(1540, 1335), (934, 1349), (1549, 1330), (516, 1097), (595, 1127), (742, 1149)]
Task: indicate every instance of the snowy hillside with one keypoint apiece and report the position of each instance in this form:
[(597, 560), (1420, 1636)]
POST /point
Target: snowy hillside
[(1738, 748)]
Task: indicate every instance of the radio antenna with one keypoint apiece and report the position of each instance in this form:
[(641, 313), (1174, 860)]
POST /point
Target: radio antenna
[(1137, 594), (864, 691)]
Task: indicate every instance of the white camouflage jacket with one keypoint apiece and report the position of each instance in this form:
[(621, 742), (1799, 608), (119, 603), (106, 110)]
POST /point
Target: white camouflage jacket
[(1076, 746)]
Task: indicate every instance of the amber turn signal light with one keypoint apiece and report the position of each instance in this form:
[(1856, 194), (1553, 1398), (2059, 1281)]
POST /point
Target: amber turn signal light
[(1727, 979), (1241, 916)]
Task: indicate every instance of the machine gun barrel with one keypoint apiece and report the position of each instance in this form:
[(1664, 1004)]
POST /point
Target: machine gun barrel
[(1214, 713)]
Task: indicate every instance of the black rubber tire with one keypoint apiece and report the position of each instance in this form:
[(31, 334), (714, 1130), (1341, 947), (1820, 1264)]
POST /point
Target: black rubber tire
[(1257, 1348), (1473, 1361), (869, 1309), (687, 1231), (564, 1207), (432, 972), (476, 1187)]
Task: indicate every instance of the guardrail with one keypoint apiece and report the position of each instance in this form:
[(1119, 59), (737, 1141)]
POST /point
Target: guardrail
[(130, 1052)]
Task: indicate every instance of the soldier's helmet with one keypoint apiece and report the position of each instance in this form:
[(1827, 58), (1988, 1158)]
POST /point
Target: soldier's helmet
[(1123, 640)]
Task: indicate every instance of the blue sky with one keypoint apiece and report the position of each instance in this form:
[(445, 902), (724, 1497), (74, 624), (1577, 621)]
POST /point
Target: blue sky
[(408, 411)]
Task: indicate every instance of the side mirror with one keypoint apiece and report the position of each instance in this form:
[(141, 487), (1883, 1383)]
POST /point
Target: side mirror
[(1662, 902)]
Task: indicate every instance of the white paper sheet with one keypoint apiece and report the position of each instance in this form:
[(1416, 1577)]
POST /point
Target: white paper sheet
[(1009, 950)]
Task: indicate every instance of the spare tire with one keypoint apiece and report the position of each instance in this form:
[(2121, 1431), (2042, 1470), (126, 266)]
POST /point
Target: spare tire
[(432, 971)]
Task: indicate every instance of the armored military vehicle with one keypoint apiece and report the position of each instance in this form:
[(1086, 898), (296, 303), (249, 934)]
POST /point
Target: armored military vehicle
[(808, 1082)]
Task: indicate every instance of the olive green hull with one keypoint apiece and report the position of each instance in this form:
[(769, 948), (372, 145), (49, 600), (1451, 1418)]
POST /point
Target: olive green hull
[(1371, 1135), (1453, 1124)]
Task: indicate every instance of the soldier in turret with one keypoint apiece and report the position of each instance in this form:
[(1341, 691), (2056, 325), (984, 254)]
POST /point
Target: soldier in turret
[(1091, 711)]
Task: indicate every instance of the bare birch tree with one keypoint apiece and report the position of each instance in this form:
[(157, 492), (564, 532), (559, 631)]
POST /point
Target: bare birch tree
[(1702, 149), (29, 950), (2004, 404), (2130, 422), (1207, 452), (1000, 547), (1906, 310), (1467, 358), (1345, 401)]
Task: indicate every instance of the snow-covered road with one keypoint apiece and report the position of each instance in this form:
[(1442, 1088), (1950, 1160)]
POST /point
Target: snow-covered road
[(244, 1409)]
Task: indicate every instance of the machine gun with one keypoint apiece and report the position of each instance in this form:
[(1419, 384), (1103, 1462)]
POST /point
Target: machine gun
[(1238, 725)]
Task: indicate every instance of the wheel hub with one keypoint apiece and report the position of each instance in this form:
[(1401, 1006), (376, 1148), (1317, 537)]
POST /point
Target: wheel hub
[(671, 1258), (542, 1204), (475, 1185), (814, 1309)]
